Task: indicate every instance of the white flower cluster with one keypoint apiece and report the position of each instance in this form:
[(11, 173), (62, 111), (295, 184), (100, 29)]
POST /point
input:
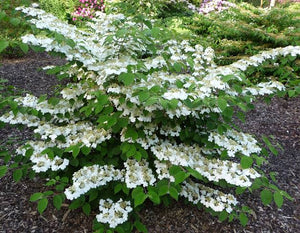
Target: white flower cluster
[(234, 141), (62, 107), (138, 173), (162, 170), (90, 47), (210, 198), (258, 59), (92, 177), (265, 88), (20, 118), (212, 169), (167, 130), (80, 132), (113, 213), (42, 162)]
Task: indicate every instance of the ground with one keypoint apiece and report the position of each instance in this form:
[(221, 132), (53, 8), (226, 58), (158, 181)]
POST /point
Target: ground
[(280, 118)]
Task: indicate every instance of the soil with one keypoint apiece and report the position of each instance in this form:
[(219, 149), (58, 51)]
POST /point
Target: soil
[(281, 118)]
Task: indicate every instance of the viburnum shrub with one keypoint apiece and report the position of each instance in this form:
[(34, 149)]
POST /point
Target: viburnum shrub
[(142, 118), (88, 8)]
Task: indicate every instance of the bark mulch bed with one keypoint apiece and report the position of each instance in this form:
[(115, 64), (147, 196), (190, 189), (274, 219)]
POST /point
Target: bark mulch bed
[(280, 118)]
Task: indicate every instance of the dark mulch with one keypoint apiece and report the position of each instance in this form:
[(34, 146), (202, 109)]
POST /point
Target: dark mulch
[(281, 118)]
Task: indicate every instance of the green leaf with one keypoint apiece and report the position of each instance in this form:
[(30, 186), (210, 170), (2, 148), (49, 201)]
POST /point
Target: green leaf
[(131, 133), (195, 174), (240, 190), (57, 201), (24, 47), (222, 103), (266, 196), (136, 191), (85, 150), (86, 208), (36, 196), (141, 227), (278, 198), (17, 175), (270, 146), (14, 21), (223, 215), (93, 194), (292, 93), (180, 177), (77, 203), (118, 188), (75, 150), (126, 78), (177, 67), (163, 190), (173, 193), (2, 15), (42, 205), (246, 162), (3, 170), (139, 199), (144, 95), (243, 219), (3, 45), (155, 32), (153, 196)]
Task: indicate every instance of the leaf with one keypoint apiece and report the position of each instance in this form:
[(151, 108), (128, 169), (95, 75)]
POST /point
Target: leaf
[(270, 146), (266, 196), (75, 150), (278, 198), (85, 150), (139, 199), (223, 215), (17, 175), (24, 47), (155, 32), (141, 227), (131, 133), (153, 196), (15, 21), (246, 162), (3, 170), (136, 191), (177, 67), (77, 203), (3, 45), (93, 195), (173, 193), (195, 174), (174, 170), (180, 177), (36, 196), (86, 208), (2, 15), (144, 95), (222, 103), (163, 189), (118, 188), (57, 201), (42, 205), (126, 78), (243, 219)]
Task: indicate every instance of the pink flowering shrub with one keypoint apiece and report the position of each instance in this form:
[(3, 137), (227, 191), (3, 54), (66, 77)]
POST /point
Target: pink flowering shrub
[(208, 6), (87, 9)]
